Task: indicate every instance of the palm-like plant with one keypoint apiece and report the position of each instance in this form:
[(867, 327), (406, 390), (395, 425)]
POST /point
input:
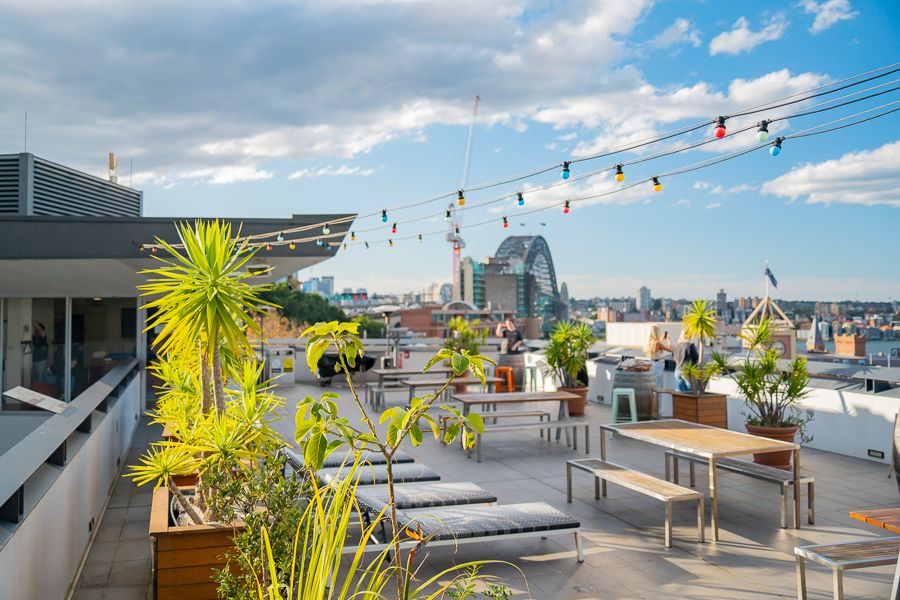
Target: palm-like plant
[(160, 464), (465, 335), (700, 322), (204, 300), (567, 352)]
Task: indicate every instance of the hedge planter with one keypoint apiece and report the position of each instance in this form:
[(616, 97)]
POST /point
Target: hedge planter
[(706, 409), (779, 460), (184, 558)]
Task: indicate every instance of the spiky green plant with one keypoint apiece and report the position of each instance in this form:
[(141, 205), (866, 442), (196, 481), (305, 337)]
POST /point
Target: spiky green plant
[(160, 464), (700, 322), (567, 351)]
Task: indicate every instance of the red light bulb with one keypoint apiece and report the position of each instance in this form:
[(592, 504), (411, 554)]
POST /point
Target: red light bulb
[(566, 208), (720, 131)]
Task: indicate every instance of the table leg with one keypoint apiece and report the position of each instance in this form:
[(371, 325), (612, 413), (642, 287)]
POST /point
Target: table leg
[(603, 455), (797, 488), (713, 500), (895, 592), (563, 415)]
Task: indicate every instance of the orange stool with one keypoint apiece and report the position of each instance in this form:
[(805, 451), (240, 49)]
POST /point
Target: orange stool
[(504, 373)]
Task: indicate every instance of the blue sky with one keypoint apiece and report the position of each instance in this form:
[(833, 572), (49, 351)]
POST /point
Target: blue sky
[(271, 108)]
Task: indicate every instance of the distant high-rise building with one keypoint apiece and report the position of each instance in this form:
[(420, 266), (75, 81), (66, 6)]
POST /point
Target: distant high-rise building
[(319, 285), (446, 293), (431, 294), (722, 305), (643, 299)]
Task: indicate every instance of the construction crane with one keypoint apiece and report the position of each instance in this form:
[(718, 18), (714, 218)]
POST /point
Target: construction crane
[(453, 217)]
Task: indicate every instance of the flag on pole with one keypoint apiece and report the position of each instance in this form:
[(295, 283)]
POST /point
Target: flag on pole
[(771, 277)]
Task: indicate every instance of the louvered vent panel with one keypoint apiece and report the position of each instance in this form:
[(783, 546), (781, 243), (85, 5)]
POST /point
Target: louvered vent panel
[(59, 191), (9, 184)]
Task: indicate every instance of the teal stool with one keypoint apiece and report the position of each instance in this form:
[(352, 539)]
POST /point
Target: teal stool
[(632, 404)]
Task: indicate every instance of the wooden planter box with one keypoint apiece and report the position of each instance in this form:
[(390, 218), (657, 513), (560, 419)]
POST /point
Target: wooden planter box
[(708, 409), (184, 558)]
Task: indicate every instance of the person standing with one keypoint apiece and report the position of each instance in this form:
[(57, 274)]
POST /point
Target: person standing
[(654, 349), (39, 352), (512, 337), (685, 353)]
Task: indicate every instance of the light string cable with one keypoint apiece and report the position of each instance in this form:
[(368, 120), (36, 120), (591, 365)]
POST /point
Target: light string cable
[(812, 131)]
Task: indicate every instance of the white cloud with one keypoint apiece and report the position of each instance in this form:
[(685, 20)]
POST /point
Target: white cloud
[(228, 174), (712, 205), (867, 177), (684, 202), (828, 13), (742, 39), (343, 170), (702, 185), (734, 189), (678, 32)]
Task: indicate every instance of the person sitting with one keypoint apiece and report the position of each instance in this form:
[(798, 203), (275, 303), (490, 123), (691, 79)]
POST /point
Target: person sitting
[(512, 337)]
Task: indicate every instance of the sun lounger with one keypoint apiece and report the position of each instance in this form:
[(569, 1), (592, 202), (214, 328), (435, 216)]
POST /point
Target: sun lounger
[(376, 474), (423, 495)]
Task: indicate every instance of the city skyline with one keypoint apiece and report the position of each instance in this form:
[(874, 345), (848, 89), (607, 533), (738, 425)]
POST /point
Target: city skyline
[(254, 129)]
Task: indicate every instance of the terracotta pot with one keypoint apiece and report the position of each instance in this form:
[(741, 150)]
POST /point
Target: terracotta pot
[(779, 460), (576, 405)]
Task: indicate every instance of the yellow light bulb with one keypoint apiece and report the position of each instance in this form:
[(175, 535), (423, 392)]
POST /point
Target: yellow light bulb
[(620, 176), (292, 245), (657, 187)]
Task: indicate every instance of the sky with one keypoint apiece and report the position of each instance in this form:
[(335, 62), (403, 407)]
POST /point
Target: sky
[(268, 108)]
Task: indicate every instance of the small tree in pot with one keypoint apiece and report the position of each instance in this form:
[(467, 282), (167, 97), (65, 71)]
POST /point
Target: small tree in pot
[(700, 322), (567, 356), (772, 391), (465, 336)]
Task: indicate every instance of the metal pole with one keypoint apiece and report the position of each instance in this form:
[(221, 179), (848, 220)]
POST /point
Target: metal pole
[(67, 352), (140, 351), (2, 344)]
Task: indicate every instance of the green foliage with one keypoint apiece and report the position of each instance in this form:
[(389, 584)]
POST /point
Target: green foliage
[(300, 307), (700, 323), (567, 351), (465, 335), (700, 375), (369, 327), (772, 389)]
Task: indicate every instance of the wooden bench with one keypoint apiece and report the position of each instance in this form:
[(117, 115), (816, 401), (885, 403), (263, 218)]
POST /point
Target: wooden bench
[(784, 479), (639, 482), (375, 393), (858, 554), (491, 428)]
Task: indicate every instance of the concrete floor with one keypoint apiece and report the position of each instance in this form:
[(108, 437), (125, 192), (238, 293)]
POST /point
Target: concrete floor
[(623, 533)]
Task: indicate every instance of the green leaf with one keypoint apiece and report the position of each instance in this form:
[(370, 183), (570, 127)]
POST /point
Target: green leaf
[(415, 434), (314, 452), (475, 422), (460, 364)]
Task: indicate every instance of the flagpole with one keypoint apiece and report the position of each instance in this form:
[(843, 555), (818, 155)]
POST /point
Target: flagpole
[(766, 277)]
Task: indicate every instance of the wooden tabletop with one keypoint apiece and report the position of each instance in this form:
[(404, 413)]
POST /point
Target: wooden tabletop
[(407, 372), (513, 397), (439, 382), (702, 440), (886, 518)]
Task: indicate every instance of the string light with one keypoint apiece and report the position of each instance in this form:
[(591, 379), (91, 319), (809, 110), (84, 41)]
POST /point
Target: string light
[(762, 134), (367, 245), (505, 223), (456, 229), (565, 170), (720, 131), (384, 215), (620, 175), (566, 208), (318, 241), (153, 249), (460, 199), (268, 247), (326, 230), (345, 245), (394, 228), (352, 236), (521, 199), (391, 243), (280, 237), (420, 238), (447, 216), (657, 186), (775, 150), (292, 246)]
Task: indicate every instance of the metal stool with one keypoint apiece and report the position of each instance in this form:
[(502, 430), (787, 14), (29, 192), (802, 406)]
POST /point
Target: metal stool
[(504, 373), (632, 405), (531, 372)]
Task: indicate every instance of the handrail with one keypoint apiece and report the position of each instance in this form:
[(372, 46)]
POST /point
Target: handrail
[(21, 461)]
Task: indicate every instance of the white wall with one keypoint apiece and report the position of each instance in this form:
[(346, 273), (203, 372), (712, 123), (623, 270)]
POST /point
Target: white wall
[(41, 558), (635, 335)]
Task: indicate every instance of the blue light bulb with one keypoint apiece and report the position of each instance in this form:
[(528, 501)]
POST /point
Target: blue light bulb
[(383, 215), (775, 150), (565, 170), (521, 199)]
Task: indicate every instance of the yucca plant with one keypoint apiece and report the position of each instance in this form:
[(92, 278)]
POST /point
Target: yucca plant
[(160, 464), (567, 352), (700, 322)]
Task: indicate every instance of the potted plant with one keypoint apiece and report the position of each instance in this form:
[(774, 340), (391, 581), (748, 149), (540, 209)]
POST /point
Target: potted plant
[(698, 405), (464, 336), (566, 357), (700, 323), (772, 391)]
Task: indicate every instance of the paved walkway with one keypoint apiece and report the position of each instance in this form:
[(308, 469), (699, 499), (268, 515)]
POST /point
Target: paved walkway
[(625, 556)]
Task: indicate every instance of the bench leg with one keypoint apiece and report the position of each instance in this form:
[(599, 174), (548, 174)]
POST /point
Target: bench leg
[(668, 469), (579, 551), (811, 503), (693, 474), (568, 483), (838, 584), (541, 430), (701, 528), (574, 437), (587, 439), (801, 578), (478, 450), (597, 488), (675, 469), (668, 527), (784, 506)]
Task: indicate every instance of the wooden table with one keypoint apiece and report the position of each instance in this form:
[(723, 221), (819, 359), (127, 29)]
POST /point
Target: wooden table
[(886, 518), (436, 384), (711, 443), (384, 374), (561, 398)]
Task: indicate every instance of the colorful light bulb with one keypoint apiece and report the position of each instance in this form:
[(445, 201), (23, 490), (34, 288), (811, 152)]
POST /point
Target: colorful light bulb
[(268, 247), (620, 175), (762, 134), (352, 236), (447, 216), (280, 237), (292, 246), (420, 238), (326, 230), (384, 215), (345, 245), (391, 243), (367, 245), (566, 208), (657, 186), (505, 223), (775, 150), (456, 229), (153, 249), (521, 199), (565, 170), (460, 199), (720, 131), (318, 241), (394, 228)]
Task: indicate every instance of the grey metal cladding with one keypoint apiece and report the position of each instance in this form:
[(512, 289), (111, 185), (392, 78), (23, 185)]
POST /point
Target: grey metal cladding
[(61, 191), (9, 183)]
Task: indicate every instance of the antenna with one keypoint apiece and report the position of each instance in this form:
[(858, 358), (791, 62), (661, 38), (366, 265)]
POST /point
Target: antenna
[(113, 165)]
